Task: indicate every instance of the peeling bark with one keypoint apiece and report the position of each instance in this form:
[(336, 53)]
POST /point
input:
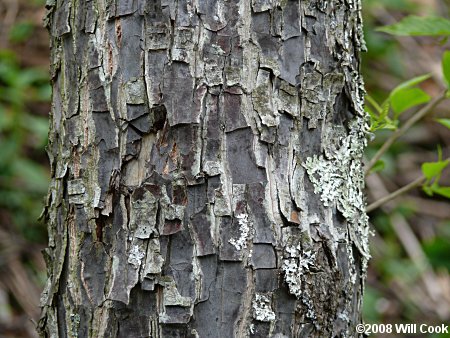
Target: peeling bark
[(206, 161)]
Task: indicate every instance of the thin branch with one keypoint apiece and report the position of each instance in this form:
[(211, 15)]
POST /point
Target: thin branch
[(414, 184), (412, 246), (399, 132)]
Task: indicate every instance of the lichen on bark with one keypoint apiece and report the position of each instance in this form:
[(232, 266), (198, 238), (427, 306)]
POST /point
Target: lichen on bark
[(338, 178), (202, 154)]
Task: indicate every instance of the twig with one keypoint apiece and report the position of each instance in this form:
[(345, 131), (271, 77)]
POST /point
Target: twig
[(399, 132), (414, 250), (414, 184)]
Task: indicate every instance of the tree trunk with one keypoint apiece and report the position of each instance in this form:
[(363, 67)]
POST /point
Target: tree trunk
[(206, 161)]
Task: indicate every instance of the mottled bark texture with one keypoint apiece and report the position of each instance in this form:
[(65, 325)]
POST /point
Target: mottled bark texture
[(206, 161)]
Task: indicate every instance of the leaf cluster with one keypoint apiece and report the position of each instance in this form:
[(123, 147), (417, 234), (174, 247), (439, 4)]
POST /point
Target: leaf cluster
[(408, 95)]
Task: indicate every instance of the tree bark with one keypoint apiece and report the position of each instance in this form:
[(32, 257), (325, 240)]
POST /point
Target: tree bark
[(206, 162)]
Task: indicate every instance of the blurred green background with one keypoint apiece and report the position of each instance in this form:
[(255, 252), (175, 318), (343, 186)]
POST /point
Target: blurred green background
[(408, 280), (24, 174)]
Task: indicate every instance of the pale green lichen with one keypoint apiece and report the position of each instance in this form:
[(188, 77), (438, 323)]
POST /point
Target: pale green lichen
[(294, 265), (75, 324), (339, 180)]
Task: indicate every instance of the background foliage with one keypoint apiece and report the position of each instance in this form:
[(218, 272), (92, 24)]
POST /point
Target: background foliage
[(24, 174), (408, 279)]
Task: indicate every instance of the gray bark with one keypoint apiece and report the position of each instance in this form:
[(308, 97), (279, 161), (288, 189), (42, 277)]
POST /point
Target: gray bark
[(206, 161)]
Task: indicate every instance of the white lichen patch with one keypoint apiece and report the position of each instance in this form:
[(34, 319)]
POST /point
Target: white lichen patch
[(339, 179), (292, 276), (343, 316), (295, 264), (306, 300), (262, 309), (244, 228), (352, 270), (135, 256), (97, 195)]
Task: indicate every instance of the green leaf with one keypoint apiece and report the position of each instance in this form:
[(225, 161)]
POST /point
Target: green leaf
[(444, 122), (419, 26), (433, 169), (378, 166), (446, 67), (390, 125), (411, 83), (385, 110), (374, 103), (443, 191), (427, 190), (406, 98), (380, 120)]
